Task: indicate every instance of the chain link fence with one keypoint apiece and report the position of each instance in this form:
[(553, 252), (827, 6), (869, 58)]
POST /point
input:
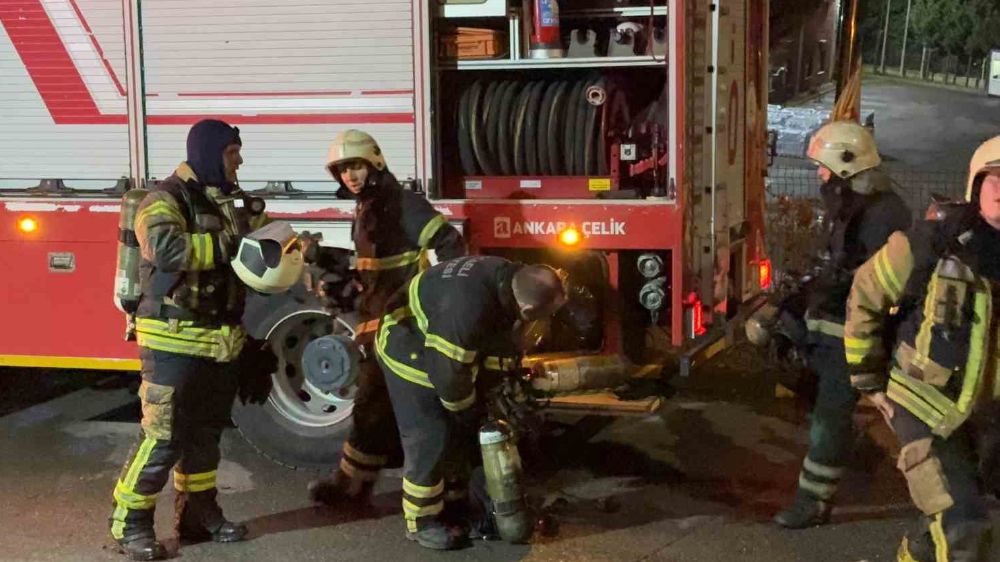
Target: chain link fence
[(794, 209)]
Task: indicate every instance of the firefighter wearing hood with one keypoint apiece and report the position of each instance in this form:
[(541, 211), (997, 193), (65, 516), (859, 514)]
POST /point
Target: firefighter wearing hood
[(188, 329), (861, 212), (393, 231)]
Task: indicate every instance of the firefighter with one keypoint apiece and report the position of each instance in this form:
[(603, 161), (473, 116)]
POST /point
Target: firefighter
[(453, 322), (189, 336), (862, 211), (942, 377), (393, 230)]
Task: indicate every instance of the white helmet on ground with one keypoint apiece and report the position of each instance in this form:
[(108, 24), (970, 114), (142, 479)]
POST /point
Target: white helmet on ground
[(845, 147), (269, 260)]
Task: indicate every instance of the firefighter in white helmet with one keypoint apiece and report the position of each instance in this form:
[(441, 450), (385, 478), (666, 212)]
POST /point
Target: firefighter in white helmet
[(938, 388), (862, 211), (393, 231)]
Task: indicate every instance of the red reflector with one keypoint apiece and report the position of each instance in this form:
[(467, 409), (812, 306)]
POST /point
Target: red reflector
[(764, 269), (697, 320)]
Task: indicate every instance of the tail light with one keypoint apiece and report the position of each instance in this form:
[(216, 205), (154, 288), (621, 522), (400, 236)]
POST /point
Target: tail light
[(695, 320), (764, 274), (27, 225)]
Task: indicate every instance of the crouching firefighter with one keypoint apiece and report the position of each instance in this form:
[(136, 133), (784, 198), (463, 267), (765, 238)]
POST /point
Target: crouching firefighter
[(187, 325), (862, 211), (454, 321), (939, 389), (393, 230)]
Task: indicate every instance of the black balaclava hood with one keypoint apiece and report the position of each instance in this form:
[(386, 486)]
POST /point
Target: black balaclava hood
[(206, 142)]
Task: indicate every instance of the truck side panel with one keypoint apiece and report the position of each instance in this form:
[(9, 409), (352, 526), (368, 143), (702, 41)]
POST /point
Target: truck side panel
[(288, 74), (62, 97)]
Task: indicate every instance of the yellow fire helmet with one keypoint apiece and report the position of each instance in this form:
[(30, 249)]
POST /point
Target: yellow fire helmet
[(985, 160), (353, 144), (269, 260), (845, 147)]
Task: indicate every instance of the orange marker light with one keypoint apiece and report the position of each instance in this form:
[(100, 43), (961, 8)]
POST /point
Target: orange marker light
[(27, 225), (570, 236), (764, 269)]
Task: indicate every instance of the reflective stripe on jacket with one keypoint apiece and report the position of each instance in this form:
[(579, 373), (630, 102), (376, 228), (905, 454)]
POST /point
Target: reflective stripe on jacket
[(454, 319), (938, 366)]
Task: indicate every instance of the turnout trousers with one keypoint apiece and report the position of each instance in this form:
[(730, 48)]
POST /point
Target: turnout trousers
[(831, 432), (374, 437), (944, 482), (435, 449), (186, 404)]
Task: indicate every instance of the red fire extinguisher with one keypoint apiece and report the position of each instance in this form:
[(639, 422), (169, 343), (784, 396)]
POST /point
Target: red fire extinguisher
[(545, 41)]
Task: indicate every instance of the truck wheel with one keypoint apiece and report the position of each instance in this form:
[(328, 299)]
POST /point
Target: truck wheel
[(299, 426)]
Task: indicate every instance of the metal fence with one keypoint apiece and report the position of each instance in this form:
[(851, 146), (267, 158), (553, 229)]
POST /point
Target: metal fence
[(797, 178), (794, 207)]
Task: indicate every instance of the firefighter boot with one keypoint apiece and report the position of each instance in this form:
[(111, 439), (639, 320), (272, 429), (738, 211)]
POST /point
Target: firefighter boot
[(142, 548), (132, 531), (435, 534), (199, 518), (340, 489), (806, 511)]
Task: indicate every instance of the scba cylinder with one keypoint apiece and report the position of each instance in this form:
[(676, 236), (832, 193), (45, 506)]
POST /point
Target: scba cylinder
[(127, 291), (505, 481)]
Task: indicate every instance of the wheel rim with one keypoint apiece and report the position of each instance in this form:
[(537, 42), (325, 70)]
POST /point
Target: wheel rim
[(292, 395)]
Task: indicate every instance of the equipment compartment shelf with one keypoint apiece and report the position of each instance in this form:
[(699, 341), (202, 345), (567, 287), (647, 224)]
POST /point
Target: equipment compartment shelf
[(528, 64)]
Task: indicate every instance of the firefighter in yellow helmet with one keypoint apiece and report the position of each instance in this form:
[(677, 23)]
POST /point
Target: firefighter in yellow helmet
[(940, 386), (862, 210), (393, 231), (188, 330)]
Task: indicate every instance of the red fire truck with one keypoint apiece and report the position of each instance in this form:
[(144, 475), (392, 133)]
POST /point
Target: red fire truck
[(623, 141)]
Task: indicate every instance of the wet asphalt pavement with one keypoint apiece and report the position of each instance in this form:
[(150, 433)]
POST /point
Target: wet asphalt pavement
[(696, 482)]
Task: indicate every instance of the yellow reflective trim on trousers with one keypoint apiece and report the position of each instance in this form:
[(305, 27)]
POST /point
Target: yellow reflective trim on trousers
[(162, 209), (418, 491), (823, 491), (133, 500), (413, 511), (449, 349), (429, 230), (128, 486), (887, 276), (975, 364), (195, 482), (202, 252), (460, 405), (390, 262), (825, 327), (356, 473), (940, 539), (363, 458), (221, 344), (823, 470), (857, 349)]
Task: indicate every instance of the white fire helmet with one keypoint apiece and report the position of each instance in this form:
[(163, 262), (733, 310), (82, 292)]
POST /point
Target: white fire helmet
[(986, 160), (269, 260), (845, 147)]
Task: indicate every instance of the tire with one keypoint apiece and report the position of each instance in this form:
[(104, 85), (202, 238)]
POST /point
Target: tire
[(300, 433)]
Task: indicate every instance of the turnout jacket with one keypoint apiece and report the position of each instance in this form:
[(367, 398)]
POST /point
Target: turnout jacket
[(192, 302), (943, 277), (859, 225), (452, 320), (392, 231)]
